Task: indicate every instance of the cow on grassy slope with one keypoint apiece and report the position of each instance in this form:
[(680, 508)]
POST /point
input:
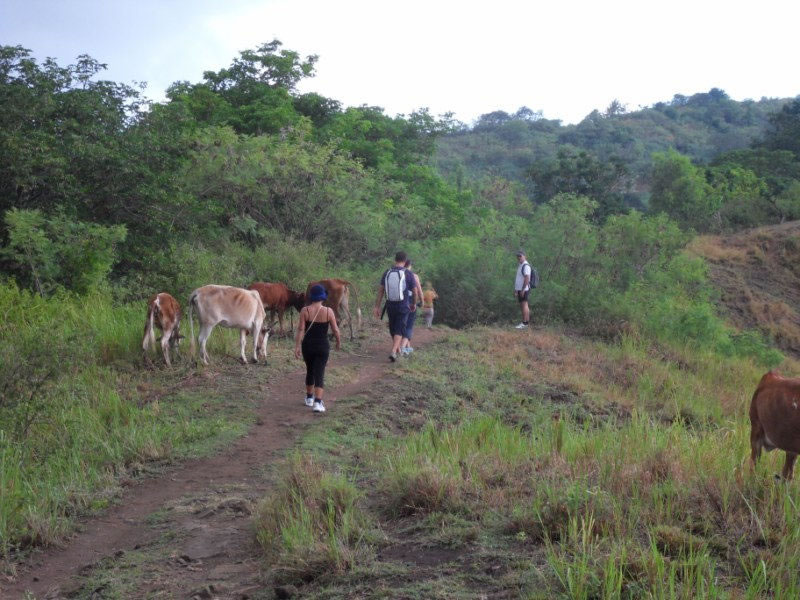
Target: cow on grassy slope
[(164, 312), (338, 291), (775, 419), (277, 297), (231, 307)]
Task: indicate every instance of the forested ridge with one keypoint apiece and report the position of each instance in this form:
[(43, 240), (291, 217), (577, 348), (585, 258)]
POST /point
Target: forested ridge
[(107, 198), (613, 155)]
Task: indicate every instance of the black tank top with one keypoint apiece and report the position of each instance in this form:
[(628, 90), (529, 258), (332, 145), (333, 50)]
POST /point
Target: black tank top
[(317, 334)]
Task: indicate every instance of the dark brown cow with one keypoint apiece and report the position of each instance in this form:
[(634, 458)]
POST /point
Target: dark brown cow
[(164, 312), (775, 419), (277, 297), (338, 291)]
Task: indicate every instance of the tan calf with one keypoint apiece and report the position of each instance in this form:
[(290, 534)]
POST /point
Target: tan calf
[(164, 312), (231, 307)]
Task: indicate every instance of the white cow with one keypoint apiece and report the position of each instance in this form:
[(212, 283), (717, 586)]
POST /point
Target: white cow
[(232, 307)]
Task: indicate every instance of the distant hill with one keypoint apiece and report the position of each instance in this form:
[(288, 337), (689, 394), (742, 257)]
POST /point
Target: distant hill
[(758, 274), (701, 126)]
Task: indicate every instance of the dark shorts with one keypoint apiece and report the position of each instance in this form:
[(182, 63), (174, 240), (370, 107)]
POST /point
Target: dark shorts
[(523, 296), (397, 320)]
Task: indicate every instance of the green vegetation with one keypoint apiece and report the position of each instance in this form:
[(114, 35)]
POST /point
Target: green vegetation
[(107, 199)]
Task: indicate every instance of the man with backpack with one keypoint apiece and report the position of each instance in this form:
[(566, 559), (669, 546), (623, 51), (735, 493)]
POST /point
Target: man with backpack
[(527, 278), (398, 284)]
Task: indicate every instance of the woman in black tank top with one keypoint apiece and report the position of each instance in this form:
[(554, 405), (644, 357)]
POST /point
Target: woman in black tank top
[(312, 339)]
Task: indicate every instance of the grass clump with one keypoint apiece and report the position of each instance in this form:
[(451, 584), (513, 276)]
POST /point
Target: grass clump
[(312, 524)]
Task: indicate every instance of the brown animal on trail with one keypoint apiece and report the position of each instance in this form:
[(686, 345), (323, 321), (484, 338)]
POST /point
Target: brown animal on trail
[(229, 307), (338, 291), (277, 297), (775, 419), (164, 312)]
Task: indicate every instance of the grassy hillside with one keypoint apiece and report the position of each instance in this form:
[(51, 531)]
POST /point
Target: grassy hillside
[(758, 275), (538, 465)]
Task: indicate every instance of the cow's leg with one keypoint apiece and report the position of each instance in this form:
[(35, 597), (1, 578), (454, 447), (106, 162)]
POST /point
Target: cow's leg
[(756, 442), (280, 321), (243, 343), (349, 322), (175, 339), (788, 466), (166, 339), (202, 337), (264, 345), (256, 335)]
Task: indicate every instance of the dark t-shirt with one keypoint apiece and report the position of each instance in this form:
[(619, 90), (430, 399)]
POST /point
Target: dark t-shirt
[(402, 305)]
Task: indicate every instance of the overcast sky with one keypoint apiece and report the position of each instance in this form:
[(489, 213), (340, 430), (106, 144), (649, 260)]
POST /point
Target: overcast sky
[(563, 57)]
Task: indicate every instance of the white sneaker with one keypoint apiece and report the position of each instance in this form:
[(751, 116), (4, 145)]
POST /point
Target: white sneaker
[(318, 406), (309, 401), (522, 326)]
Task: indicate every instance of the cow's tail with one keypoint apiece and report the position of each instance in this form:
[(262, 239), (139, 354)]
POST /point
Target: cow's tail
[(358, 304), (149, 339), (192, 301)]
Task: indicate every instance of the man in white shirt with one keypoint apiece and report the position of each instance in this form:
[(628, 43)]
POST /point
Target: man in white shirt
[(522, 288)]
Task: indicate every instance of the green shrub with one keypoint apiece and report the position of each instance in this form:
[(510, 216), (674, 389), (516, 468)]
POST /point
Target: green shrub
[(50, 253)]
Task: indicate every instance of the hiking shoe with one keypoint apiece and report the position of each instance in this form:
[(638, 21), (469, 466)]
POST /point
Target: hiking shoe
[(522, 326), (318, 406), (408, 350), (393, 356), (309, 401)]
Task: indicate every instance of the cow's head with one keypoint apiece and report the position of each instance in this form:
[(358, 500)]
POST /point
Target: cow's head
[(297, 299)]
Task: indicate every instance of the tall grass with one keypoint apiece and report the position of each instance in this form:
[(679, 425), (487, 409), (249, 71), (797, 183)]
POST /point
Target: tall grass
[(67, 432), (660, 504), (311, 525)]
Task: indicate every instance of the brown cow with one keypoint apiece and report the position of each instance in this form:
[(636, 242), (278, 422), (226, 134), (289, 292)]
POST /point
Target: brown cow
[(277, 297), (775, 419), (164, 312), (229, 307), (338, 291)]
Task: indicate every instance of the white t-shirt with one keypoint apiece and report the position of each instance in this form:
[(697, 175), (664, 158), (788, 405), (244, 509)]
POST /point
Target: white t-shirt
[(519, 283)]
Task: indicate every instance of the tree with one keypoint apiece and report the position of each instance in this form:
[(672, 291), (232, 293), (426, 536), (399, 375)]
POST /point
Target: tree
[(266, 65), (783, 132), (581, 173), (615, 109), (680, 190)]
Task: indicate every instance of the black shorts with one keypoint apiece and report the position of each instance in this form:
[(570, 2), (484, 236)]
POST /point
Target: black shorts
[(523, 296), (397, 319)]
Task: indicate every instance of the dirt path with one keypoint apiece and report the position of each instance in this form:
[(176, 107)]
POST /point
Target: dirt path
[(211, 550)]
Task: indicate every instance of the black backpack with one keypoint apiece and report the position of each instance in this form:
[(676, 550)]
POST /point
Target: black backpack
[(534, 277)]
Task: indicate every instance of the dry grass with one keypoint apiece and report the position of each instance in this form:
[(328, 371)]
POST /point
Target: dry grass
[(715, 249), (758, 273)]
